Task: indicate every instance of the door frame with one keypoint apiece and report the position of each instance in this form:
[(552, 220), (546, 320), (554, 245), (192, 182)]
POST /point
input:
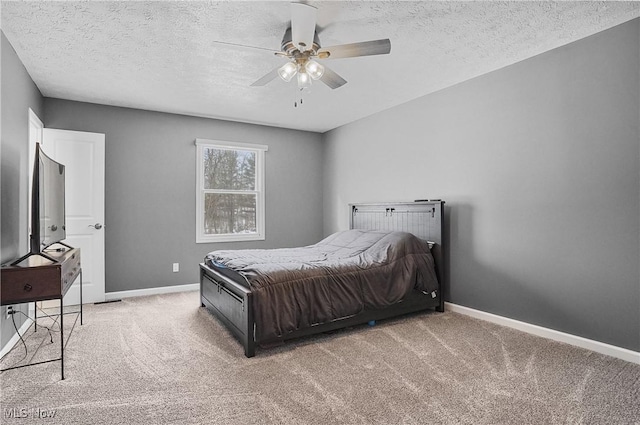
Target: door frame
[(36, 127)]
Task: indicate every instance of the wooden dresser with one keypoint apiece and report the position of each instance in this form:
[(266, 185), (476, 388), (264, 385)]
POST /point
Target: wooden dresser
[(37, 278)]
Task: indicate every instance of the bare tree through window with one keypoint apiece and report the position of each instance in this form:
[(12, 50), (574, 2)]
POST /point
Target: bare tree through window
[(232, 205), (230, 197)]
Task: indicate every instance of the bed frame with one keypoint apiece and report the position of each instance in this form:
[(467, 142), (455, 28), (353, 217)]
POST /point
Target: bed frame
[(232, 302)]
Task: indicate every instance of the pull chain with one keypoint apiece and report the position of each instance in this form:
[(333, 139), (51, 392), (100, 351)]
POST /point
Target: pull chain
[(295, 102)]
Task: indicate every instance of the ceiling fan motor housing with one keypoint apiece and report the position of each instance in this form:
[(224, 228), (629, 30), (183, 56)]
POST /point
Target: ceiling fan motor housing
[(290, 48)]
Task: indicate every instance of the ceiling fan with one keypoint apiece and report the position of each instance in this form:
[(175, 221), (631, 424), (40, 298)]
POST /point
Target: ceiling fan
[(301, 46)]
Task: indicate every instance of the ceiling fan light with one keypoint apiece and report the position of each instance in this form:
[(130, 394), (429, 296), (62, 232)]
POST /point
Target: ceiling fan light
[(304, 81), (287, 71), (314, 69)]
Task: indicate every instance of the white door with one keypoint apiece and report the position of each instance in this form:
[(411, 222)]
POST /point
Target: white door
[(82, 154)]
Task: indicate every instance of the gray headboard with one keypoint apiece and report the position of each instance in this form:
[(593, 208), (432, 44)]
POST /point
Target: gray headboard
[(424, 219)]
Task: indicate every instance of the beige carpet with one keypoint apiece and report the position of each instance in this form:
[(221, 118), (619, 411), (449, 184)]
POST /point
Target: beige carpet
[(165, 360)]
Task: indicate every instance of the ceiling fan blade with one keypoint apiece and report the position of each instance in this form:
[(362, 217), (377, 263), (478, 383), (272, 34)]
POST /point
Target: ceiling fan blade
[(365, 48), (303, 25), (332, 79), (244, 46), (266, 78)]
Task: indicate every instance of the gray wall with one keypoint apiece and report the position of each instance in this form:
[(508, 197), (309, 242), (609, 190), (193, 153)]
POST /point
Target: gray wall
[(150, 188), (19, 93), (539, 165)]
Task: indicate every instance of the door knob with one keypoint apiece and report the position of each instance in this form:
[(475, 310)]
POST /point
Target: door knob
[(96, 226)]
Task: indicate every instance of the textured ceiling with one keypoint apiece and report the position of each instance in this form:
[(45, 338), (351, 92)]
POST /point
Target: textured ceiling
[(162, 56)]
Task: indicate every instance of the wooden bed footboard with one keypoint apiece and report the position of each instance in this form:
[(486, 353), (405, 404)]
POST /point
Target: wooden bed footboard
[(231, 303)]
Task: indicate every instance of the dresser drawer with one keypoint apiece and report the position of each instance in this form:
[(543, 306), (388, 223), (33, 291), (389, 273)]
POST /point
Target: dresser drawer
[(26, 285)]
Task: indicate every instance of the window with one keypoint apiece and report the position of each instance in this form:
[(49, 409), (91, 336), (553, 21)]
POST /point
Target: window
[(230, 191)]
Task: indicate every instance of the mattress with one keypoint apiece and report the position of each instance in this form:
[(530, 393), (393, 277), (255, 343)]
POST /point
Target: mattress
[(338, 277)]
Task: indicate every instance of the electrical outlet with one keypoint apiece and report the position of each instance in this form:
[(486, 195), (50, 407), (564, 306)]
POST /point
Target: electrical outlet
[(10, 311), (176, 267)]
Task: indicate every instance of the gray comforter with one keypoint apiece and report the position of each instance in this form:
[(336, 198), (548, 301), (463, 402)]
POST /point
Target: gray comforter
[(338, 277)]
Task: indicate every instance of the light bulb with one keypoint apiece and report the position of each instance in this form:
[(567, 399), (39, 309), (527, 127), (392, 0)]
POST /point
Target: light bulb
[(314, 69), (287, 71), (304, 81)]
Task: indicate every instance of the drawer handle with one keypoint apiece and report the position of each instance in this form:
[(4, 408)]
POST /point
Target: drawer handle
[(231, 294), (28, 287)]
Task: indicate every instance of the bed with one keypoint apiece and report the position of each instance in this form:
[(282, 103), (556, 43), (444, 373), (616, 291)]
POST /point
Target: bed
[(389, 263)]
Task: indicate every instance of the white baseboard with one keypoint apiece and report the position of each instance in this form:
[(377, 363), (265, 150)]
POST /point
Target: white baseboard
[(16, 337), (109, 296), (578, 341)]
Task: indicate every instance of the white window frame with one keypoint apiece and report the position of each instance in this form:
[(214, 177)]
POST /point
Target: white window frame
[(201, 236)]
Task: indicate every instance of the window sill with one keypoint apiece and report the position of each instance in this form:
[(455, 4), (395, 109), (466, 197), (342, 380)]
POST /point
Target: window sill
[(229, 238)]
